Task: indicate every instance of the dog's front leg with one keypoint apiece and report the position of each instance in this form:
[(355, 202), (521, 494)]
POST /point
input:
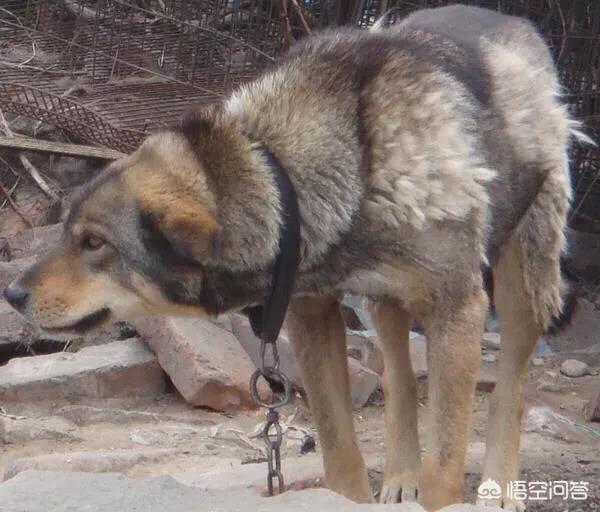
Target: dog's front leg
[(403, 456), (454, 334), (316, 328)]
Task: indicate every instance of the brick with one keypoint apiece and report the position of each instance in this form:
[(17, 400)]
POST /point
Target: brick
[(118, 369), (206, 363)]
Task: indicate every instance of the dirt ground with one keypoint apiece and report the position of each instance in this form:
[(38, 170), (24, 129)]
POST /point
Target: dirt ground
[(206, 441)]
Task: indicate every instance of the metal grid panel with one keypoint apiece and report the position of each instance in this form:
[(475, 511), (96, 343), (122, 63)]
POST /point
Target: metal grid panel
[(110, 70)]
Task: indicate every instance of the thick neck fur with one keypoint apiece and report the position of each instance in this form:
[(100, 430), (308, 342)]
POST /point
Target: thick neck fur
[(247, 198), (315, 134)]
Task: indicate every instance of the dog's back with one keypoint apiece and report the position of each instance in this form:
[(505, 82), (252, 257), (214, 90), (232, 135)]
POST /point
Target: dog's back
[(526, 129), (473, 81)]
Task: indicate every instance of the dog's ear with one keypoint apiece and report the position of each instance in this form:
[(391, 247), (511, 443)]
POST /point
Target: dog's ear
[(186, 229)]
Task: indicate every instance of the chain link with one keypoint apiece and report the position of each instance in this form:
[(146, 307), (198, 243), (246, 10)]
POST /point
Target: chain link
[(272, 432)]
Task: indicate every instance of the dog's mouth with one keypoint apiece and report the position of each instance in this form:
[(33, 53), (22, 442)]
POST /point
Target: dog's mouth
[(87, 323)]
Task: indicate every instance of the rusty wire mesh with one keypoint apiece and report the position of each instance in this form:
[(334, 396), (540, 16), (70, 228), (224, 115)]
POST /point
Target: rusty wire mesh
[(111, 70)]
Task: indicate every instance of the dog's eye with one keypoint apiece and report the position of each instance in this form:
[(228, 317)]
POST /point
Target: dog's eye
[(92, 242)]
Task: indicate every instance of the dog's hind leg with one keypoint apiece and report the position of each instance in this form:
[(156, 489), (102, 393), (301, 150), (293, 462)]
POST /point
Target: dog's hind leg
[(527, 294), (403, 456), (454, 332), (317, 332), (520, 332)]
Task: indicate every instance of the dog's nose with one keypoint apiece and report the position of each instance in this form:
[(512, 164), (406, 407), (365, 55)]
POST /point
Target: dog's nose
[(15, 296)]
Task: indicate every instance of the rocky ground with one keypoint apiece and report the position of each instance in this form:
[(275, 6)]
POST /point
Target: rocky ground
[(169, 399)]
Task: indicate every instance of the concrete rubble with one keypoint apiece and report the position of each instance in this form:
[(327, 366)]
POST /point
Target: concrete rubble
[(542, 419), (206, 363), (35, 241), (24, 430), (9, 270), (83, 415), (574, 368), (100, 461), (121, 368), (12, 326), (363, 380), (491, 341), (70, 492)]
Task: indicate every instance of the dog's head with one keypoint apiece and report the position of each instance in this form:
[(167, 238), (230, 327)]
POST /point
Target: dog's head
[(136, 240)]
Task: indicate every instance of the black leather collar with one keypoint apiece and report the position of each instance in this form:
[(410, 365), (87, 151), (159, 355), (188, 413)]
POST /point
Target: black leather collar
[(267, 319)]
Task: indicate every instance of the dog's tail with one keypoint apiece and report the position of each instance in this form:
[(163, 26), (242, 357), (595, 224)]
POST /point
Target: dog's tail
[(563, 318)]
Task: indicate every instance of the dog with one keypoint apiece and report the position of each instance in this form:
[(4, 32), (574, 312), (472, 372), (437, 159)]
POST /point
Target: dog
[(420, 156)]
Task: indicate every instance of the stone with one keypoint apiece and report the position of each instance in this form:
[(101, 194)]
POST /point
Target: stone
[(83, 415), (541, 419), (100, 461), (10, 270), (366, 351), (35, 241), (592, 408), (119, 369), (12, 324), (36, 206), (574, 368), (171, 434), (24, 430), (537, 361), (491, 323), (489, 358), (363, 383), (357, 303), (589, 355), (418, 355), (551, 387), (486, 379), (11, 224), (298, 472), (491, 341), (242, 330), (542, 348), (207, 364), (57, 491), (224, 322)]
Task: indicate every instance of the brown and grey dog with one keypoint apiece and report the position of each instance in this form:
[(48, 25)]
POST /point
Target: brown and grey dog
[(420, 155)]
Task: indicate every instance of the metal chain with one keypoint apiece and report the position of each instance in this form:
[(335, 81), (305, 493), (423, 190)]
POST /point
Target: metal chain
[(272, 432)]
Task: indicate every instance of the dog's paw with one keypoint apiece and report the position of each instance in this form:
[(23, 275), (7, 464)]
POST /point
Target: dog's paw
[(504, 503), (399, 489)]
